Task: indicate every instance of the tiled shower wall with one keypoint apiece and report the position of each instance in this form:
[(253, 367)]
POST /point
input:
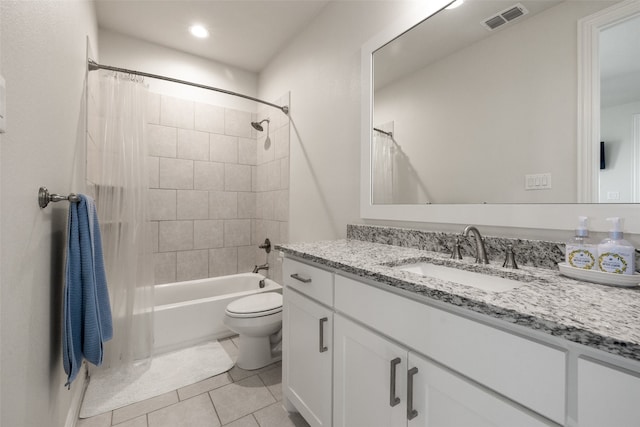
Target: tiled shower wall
[(216, 188)]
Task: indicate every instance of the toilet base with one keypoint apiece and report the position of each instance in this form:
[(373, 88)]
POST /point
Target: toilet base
[(256, 352)]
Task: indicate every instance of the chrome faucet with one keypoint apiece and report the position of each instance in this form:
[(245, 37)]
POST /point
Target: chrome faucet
[(257, 268), (481, 253)]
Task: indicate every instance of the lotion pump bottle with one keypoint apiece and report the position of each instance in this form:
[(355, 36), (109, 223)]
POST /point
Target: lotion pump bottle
[(580, 252), (616, 255)]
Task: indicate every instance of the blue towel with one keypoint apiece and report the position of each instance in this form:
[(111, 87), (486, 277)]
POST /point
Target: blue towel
[(87, 312)]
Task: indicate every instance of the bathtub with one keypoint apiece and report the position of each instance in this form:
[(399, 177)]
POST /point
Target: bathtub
[(190, 312)]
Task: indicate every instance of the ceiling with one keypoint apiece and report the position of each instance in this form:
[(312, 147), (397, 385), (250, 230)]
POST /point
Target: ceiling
[(243, 33)]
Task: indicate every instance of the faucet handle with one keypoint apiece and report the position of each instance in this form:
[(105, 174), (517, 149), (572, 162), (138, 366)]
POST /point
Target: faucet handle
[(510, 258), (455, 253)]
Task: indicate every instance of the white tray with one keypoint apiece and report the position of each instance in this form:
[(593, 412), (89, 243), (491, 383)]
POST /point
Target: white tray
[(594, 276)]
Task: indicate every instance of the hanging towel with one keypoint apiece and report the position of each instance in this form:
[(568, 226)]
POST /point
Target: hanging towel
[(87, 311)]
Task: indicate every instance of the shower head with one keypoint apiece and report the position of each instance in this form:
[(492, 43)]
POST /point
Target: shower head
[(258, 125)]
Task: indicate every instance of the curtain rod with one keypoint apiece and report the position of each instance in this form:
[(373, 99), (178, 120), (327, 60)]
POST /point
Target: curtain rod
[(92, 65), (390, 134)]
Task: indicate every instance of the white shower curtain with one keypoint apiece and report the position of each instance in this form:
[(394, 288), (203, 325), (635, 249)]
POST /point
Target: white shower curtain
[(382, 168), (121, 198)]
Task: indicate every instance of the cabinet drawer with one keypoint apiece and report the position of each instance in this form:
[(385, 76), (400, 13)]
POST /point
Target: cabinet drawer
[(607, 396), (308, 280), (525, 371)]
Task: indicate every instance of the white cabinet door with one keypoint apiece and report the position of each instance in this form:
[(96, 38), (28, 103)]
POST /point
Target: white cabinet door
[(366, 394), (607, 396), (307, 357), (443, 399)]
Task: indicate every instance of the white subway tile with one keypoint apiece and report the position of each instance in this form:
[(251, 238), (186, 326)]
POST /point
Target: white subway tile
[(176, 112), (208, 176), (246, 205), (273, 175), (209, 118), (237, 232), (223, 261), (224, 148), (284, 173), (237, 177), (193, 204), (152, 229), (164, 267), (192, 265), (247, 259), (175, 236), (193, 145), (223, 205), (208, 234), (162, 140), (247, 151), (153, 169), (237, 123), (153, 108), (162, 204), (176, 173), (261, 178), (281, 205)]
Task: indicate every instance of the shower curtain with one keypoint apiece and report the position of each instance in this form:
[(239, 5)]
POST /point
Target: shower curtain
[(382, 169), (121, 192)]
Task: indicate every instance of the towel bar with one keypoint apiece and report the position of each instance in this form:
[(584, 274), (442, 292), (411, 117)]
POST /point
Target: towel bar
[(44, 197)]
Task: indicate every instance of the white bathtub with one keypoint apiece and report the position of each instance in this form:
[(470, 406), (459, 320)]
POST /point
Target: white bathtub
[(190, 312)]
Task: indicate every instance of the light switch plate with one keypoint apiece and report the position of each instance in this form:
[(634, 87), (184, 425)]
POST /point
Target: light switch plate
[(537, 181)]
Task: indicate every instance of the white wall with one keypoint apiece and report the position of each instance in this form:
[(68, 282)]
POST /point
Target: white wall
[(122, 51), (43, 62), (321, 68)]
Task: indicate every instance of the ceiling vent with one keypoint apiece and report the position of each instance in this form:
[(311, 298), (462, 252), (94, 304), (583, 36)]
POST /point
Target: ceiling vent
[(505, 16)]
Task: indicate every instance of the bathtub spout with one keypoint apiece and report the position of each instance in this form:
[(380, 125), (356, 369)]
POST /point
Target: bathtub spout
[(257, 268)]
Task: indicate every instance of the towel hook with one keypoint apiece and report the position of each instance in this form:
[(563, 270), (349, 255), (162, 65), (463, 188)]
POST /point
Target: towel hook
[(44, 197)]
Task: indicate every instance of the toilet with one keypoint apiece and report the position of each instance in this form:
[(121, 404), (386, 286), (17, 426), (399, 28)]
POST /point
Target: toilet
[(257, 319)]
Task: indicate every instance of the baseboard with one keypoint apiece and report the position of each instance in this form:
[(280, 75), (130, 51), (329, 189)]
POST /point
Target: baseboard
[(78, 389)]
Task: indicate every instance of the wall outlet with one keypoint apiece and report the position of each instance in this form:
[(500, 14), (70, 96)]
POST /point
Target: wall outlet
[(537, 181)]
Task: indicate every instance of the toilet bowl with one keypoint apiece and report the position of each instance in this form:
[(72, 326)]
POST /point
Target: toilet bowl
[(257, 319)]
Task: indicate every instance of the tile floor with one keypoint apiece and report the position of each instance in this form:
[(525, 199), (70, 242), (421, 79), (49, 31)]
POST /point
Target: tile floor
[(237, 398)]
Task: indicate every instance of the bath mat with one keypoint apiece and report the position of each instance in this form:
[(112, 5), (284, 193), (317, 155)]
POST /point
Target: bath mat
[(112, 390)]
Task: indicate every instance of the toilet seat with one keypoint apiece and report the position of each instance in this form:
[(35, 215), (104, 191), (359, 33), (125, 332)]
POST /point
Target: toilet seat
[(263, 304)]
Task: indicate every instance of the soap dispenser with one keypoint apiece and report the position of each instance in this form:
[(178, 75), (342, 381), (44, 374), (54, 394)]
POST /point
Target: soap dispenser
[(616, 255), (580, 252)]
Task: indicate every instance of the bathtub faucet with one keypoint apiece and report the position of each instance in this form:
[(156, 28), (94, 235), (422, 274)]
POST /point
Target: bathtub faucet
[(257, 268)]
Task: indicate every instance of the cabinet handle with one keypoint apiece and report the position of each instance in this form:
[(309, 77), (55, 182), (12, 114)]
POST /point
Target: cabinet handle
[(322, 346), (393, 399), (411, 413), (302, 279)]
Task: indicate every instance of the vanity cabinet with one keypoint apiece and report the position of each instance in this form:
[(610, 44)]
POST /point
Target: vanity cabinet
[(308, 341), (522, 370), (607, 396), (379, 383)]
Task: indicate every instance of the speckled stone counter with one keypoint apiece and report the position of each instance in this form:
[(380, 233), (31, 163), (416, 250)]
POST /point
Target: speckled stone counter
[(603, 317)]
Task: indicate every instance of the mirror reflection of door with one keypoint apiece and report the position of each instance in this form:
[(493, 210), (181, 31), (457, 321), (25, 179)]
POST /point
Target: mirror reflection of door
[(619, 56)]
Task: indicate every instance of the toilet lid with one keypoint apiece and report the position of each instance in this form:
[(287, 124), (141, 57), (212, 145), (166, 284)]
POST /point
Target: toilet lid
[(262, 304)]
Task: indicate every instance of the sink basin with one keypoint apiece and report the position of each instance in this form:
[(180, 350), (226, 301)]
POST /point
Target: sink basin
[(485, 282)]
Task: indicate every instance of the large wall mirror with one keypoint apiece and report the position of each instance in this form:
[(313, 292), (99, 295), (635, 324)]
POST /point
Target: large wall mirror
[(482, 105)]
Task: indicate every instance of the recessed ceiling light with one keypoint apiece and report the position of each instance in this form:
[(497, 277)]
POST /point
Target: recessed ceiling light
[(199, 31), (455, 4)]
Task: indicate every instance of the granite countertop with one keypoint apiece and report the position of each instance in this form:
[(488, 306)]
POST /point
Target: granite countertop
[(603, 317)]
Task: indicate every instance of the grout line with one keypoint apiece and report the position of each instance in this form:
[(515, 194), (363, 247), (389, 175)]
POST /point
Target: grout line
[(214, 406)]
